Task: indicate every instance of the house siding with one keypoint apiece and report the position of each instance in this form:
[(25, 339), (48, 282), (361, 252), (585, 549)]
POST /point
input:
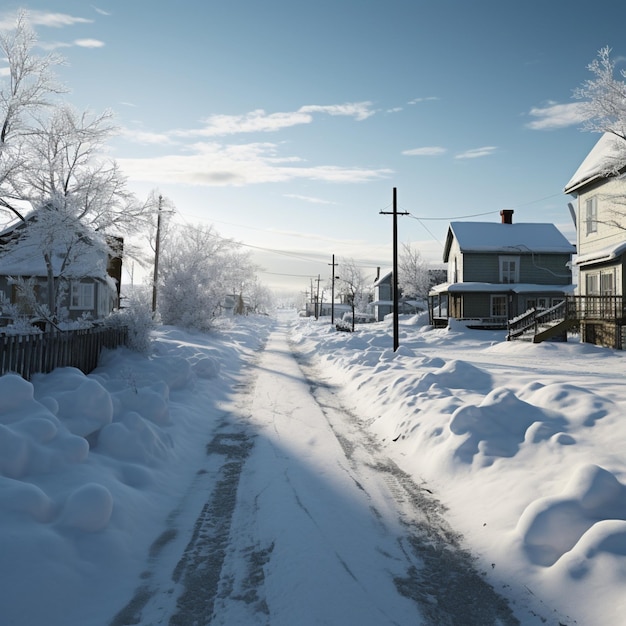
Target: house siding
[(539, 269), (609, 194)]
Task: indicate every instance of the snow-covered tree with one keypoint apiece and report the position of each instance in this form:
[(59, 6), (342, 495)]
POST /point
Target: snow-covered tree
[(413, 277), (72, 204), (28, 89), (353, 286), (603, 100), (78, 200), (199, 269), (604, 97)]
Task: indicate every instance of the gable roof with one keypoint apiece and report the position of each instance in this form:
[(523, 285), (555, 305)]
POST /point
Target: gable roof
[(506, 238), (606, 158)]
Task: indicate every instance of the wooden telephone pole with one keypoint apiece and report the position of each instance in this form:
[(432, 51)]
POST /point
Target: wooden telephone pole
[(332, 292), (157, 245), (394, 273)]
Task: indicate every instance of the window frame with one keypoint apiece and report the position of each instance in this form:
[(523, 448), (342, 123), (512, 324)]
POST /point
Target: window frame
[(502, 303), (505, 273), (85, 297), (591, 215)]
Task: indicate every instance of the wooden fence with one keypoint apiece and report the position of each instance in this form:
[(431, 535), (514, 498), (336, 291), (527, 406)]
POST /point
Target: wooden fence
[(41, 353)]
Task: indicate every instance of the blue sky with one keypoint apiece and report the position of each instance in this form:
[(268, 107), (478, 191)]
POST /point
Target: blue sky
[(287, 124)]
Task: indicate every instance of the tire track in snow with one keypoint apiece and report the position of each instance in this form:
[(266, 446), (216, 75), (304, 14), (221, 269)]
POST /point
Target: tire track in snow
[(441, 575)]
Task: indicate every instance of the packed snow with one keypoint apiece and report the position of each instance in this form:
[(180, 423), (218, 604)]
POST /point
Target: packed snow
[(522, 443)]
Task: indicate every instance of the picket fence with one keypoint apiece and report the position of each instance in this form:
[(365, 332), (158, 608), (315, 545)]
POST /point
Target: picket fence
[(41, 353)]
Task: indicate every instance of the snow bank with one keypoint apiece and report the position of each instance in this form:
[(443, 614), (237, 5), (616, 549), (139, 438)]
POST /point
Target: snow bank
[(524, 443)]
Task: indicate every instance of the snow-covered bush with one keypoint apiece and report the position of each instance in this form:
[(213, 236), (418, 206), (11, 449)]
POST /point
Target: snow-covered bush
[(198, 269), (137, 317)]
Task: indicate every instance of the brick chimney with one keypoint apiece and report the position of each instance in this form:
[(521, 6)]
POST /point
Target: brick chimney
[(507, 216)]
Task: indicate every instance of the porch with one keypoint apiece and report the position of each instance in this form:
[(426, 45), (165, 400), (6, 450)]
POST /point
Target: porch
[(601, 321)]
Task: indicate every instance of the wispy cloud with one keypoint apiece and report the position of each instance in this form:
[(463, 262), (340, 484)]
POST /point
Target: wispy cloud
[(261, 121), (555, 115), (45, 18), (425, 151), (89, 43), (100, 11), (215, 164), (427, 99), (309, 199), (476, 153)]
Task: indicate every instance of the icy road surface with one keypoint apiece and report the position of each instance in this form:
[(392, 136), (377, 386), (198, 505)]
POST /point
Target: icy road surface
[(301, 519)]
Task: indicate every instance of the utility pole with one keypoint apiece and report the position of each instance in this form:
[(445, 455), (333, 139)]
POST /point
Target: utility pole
[(318, 308), (394, 273), (157, 244), (332, 292)]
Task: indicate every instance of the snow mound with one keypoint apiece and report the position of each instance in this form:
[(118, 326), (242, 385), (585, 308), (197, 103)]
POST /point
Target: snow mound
[(581, 406), (457, 375), (550, 527), (88, 508), (499, 426)]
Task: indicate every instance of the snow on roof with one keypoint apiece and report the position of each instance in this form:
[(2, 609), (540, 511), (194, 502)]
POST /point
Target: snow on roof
[(607, 157), (478, 287), (606, 254), (509, 238)]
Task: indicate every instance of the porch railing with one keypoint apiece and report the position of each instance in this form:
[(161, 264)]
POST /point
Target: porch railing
[(584, 308)]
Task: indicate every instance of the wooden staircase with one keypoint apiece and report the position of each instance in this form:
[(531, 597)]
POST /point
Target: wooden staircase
[(544, 324)]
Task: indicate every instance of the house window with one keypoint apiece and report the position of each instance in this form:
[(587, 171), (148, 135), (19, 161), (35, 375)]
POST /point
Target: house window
[(509, 269), (592, 284), (82, 296), (591, 215), (607, 287), (498, 306)]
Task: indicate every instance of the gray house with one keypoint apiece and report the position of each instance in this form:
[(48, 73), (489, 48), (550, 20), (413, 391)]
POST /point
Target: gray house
[(499, 270), (383, 299), (92, 292)]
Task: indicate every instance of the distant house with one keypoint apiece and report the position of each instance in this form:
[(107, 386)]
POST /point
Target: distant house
[(599, 190), (499, 270), (383, 299), (91, 293)]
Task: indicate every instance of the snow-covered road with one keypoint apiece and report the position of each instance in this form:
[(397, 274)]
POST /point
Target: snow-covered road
[(302, 519)]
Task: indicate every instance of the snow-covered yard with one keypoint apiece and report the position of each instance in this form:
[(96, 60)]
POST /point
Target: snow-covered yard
[(103, 478)]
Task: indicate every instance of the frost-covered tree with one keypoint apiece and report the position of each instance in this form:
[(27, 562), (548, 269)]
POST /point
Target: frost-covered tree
[(603, 99), (71, 203), (198, 270), (413, 277), (353, 286), (77, 200), (28, 89)]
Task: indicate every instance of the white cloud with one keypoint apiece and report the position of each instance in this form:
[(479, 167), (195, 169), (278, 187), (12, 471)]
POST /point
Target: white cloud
[(53, 20), (310, 199), (425, 151), (427, 99), (100, 11), (556, 115), (213, 164), (89, 43), (359, 110), (476, 153), (260, 121)]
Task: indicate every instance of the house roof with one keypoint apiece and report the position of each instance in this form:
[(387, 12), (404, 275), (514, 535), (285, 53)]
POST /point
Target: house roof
[(606, 158), (604, 255), (478, 287), (507, 238)]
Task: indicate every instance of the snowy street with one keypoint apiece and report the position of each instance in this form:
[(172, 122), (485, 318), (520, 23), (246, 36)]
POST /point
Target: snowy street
[(278, 472), (306, 521)]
